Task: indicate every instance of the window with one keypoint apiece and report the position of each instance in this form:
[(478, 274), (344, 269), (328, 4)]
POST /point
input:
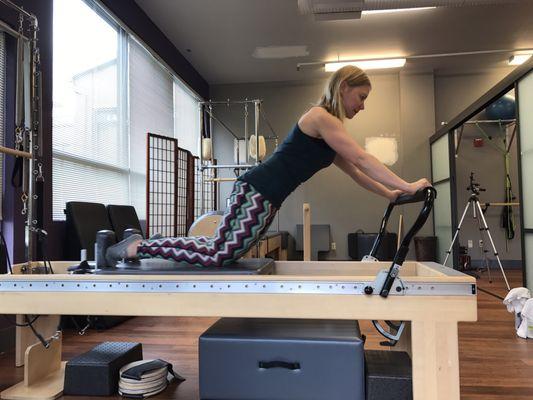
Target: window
[(90, 154), (109, 92)]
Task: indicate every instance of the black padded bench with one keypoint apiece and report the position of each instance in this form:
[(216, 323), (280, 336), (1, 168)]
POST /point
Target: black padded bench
[(281, 359)]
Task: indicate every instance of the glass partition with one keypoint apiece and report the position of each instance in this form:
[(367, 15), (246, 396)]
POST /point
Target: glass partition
[(442, 216), (525, 105), (442, 208), (440, 159)]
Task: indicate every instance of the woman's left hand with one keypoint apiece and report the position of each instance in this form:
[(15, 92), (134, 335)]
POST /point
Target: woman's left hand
[(394, 194)]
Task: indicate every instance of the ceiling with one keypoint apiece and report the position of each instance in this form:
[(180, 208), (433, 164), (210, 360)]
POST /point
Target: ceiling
[(218, 37)]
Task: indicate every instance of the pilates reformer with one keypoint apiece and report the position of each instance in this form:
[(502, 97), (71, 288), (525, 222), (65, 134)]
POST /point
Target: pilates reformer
[(428, 297)]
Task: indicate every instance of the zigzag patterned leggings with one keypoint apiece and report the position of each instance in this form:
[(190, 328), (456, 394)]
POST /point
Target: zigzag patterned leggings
[(243, 224)]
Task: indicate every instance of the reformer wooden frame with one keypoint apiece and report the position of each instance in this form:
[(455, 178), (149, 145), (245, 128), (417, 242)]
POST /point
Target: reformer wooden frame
[(433, 317)]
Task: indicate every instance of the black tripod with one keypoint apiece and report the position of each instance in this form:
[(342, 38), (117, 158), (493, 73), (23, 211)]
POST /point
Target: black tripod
[(477, 211)]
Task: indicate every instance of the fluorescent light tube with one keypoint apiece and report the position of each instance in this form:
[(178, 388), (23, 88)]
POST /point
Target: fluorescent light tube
[(396, 10), (367, 64), (518, 59)]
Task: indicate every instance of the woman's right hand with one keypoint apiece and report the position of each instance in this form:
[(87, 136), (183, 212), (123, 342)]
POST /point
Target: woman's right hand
[(417, 185)]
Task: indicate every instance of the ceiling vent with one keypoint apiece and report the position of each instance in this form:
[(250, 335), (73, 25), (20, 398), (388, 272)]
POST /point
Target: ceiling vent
[(330, 10)]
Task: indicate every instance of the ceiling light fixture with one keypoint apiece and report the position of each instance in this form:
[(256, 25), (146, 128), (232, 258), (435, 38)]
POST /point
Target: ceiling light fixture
[(393, 10), (522, 55), (518, 59), (367, 64)]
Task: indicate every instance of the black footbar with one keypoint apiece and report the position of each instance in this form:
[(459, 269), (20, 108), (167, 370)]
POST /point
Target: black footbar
[(426, 195)]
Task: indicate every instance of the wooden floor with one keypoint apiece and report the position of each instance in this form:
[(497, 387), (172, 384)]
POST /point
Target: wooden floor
[(495, 363)]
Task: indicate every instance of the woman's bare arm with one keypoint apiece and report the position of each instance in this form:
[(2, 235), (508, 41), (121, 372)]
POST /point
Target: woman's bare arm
[(364, 181), (333, 132)]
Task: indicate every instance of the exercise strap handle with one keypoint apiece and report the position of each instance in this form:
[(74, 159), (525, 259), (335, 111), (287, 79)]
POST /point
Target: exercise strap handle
[(138, 371)]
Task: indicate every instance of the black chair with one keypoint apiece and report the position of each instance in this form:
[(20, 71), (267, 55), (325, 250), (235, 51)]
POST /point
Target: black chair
[(122, 218), (84, 219)]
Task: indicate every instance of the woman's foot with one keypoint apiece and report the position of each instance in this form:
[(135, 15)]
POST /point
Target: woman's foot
[(124, 249), (156, 236)]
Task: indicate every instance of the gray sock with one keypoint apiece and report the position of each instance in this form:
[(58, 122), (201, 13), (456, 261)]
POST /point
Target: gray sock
[(118, 251), (156, 236)]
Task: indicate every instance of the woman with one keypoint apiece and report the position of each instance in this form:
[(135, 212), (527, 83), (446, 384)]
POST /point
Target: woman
[(316, 141)]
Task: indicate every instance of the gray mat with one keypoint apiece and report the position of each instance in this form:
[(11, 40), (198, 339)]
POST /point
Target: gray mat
[(157, 266)]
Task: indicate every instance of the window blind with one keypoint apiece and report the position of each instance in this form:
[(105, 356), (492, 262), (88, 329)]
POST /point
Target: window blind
[(89, 144), (186, 119), (151, 110)]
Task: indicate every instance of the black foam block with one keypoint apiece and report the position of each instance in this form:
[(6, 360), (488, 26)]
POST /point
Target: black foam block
[(96, 372)]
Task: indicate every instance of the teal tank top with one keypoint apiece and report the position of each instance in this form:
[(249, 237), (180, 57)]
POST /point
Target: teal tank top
[(294, 161)]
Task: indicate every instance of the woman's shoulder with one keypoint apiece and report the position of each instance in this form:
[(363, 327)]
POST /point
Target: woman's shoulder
[(313, 119)]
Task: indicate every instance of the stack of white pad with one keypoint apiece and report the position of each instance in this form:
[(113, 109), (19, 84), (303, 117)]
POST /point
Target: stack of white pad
[(145, 378), (519, 302)]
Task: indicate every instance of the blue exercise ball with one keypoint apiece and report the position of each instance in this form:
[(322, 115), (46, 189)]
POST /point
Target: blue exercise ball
[(503, 108)]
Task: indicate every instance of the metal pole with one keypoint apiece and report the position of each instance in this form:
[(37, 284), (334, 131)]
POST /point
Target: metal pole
[(257, 104), (210, 107), (246, 149), (209, 111), (201, 158), (241, 166), (490, 121), (6, 28), (35, 145), (228, 102), (18, 9), (265, 118)]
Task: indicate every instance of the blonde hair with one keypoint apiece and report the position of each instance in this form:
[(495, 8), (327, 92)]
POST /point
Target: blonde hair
[(331, 98)]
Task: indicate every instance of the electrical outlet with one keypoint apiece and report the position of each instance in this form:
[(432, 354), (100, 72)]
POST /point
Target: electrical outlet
[(333, 246), (470, 243), (480, 242)]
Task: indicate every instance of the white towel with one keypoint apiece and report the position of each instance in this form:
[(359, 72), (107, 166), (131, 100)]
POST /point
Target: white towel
[(525, 330), (516, 298)]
